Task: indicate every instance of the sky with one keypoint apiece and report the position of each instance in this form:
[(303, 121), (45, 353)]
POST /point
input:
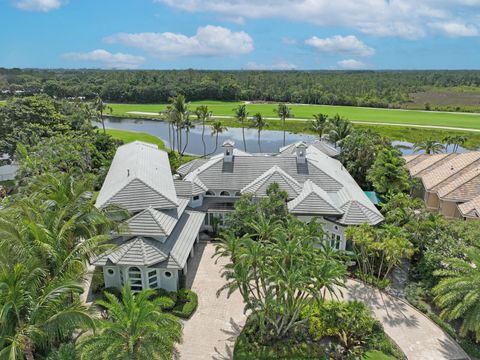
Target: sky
[(240, 34)]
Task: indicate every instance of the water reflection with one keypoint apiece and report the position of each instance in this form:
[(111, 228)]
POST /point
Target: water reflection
[(271, 140)]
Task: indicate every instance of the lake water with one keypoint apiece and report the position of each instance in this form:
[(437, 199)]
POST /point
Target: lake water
[(271, 140)]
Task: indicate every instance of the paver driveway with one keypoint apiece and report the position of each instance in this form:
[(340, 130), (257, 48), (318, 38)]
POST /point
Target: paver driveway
[(210, 333), (418, 336)]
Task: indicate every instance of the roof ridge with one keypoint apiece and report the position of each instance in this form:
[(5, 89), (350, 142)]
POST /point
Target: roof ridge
[(461, 180)]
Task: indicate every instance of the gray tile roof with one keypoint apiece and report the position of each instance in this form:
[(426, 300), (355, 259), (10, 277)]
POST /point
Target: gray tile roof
[(313, 200), (275, 174), (323, 146), (142, 251), (325, 172), (189, 188), (152, 222), (138, 178), (190, 166)]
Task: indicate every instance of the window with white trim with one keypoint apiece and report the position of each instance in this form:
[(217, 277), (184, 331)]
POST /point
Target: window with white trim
[(152, 279), (135, 278)]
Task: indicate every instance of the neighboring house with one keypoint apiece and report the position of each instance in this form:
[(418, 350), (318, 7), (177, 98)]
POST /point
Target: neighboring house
[(450, 182), (169, 211), (9, 171)]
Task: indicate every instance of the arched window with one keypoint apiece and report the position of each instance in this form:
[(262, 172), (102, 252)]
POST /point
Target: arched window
[(209, 193), (135, 278), (238, 193), (224, 193)]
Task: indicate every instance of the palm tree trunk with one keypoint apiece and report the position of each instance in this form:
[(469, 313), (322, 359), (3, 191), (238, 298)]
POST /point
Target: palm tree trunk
[(283, 131), (216, 143), (28, 350), (203, 139), (103, 122), (243, 135), (259, 145), (169, 136), (186, 142)]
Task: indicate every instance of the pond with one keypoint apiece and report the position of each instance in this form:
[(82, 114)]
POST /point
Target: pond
[(271, 140)]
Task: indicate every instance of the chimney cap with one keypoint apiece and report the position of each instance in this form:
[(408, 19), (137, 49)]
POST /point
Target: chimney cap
[(301, 144), (228, 143)]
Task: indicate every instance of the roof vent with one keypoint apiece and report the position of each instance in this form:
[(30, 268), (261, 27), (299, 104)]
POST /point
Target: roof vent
[(128, 172)]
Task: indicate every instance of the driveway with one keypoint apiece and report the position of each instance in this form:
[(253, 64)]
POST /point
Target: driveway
[(211, 332), (418, 336)]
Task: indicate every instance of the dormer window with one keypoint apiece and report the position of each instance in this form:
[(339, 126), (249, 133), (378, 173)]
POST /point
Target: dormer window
[(224, 193), (228, 150), (209, 193)]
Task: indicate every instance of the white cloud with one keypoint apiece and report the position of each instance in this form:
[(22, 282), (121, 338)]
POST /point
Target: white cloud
[(107, 59), (340, 45), (401, 18), (38, 5), (351, 64), (455, 29), (208, 41), (281, 65)]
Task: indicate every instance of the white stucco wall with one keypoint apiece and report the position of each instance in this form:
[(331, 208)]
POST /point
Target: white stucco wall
[(163, 281)]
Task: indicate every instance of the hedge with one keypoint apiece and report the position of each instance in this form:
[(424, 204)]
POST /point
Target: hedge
[(186, 304)]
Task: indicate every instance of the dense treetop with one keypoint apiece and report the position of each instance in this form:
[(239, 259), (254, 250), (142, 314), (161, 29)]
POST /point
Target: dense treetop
[(360, 88)]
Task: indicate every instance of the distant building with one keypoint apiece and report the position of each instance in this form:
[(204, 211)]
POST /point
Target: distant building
[(450, 182), (168, 212)]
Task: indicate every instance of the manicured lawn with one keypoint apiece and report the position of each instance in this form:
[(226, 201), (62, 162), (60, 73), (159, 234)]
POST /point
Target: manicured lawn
[(130, 136), (377, 355), (307, 111)]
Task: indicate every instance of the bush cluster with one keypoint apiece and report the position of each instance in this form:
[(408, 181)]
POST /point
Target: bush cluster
[(186, 304)]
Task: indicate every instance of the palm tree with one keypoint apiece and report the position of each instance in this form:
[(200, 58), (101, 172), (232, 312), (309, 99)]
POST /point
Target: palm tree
[(259, 123), (179, 108), (37, 310), (283, 112), (458, 141), (319, 125), (99, 106), (136, 329), (241, 114), (340, 129), (203, 115), (428, 146), (187, 125), (217, 128), (457, 293)]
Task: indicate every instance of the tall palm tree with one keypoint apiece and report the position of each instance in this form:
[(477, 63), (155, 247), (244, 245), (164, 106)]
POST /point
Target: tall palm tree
[(458, 141), (339, 129), (448, 140), (203, 114), (217, 128), (259, 123), (241, 114), (99, 106), (137, 329), (180, 113), (319, 125), (428, 146), (283, 112), (187, 126), (36, 310), (457, 293)]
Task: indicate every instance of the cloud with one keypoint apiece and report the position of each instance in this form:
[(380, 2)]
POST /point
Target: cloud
[(455, 29), (288, 41), (107, 59), (38, 5), (340, 45), (399, 18), (281, 65), (208, 41), (351, 64)]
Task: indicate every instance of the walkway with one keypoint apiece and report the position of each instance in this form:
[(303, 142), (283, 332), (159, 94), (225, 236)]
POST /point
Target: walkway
[(414, 333), (352, 121), (211, 332)]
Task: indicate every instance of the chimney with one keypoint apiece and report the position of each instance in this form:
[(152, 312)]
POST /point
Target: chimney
[(228, 146), (301, 152)]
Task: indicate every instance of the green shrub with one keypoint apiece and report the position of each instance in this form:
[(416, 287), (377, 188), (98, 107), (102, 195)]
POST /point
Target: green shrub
[(172, 295), (65, 351), (112, 290), (186, 304), (382, 284), (98, 282), (470, 347)]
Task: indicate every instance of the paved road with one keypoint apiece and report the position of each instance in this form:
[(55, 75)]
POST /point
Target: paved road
[(353, 122), (211, 332), (415, 334)]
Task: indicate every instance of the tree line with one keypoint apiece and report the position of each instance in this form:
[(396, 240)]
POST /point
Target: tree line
[(355, 88)]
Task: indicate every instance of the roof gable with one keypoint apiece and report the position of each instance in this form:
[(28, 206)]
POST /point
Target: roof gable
[(313, 200), (355, 213), (275, 174)]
